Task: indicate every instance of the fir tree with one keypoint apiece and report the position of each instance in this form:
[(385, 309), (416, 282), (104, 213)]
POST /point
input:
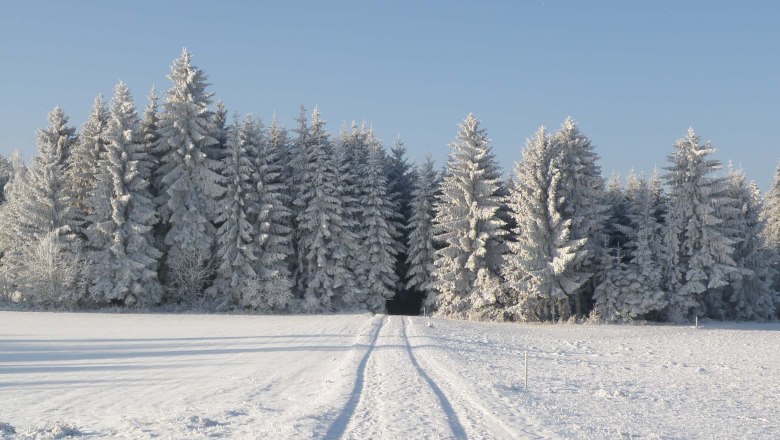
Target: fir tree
[(131, 256), (12, 242), (582, 193), (322, 263), (236, 237), (421, 237), (377, 269), (399, 193), (467, 223), (696, 242), (609, 292), (44, 215), (150, 124), (350, 157), (83, 163), (272, 287), (539, 265), (642, 292), (750, 295), (190, 180), (6, 171)]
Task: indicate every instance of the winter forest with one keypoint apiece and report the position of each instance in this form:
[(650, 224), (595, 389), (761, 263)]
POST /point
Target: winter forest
[(185, 204)]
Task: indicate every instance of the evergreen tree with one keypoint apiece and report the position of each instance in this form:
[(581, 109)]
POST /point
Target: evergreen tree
[(322, 263), (642, 292), (610, 291), (695, 241), (294, 172), (350, 155), (6, 171), (750, 295), (421, 237), (131, 255), (539, 265), (11, 218), (83, 163), (237, 237), (44, 214), (467, 223), (272, 287), (190, 180), (582, 193), (377, 269), (399, 193), (150, 125)]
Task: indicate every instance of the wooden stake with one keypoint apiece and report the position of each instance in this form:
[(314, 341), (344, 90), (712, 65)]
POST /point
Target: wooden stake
[(526, 369)]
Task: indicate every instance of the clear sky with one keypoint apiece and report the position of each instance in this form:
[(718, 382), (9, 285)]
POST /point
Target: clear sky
[(635, 74)]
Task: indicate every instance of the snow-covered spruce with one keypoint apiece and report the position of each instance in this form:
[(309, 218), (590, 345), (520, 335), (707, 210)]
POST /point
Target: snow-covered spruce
[(467, 224), (700, 254), (323, 273), (272, 287), (377, 270), (421, 238), (581, 191), (236, 236), (47, 266), (190, 183), (83, 163), (400, 184), (131, 257), (539, 267), (749, 296)]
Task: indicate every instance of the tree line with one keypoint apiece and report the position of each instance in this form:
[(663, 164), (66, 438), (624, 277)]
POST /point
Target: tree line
[(186, 204)]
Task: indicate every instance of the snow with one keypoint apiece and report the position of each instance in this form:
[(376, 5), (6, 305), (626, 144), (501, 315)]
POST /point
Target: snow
[(361, 376)]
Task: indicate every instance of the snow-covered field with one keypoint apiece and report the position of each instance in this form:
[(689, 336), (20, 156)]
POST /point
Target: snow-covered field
[(360, 377)]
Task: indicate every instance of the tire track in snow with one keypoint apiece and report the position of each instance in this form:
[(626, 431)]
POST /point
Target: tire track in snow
[(482, 419), (452, 418), (339, 425)]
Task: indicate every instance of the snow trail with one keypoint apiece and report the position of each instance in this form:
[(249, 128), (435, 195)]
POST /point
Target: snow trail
[(483, 411), (399, 399), (452, 418), (340, 424)]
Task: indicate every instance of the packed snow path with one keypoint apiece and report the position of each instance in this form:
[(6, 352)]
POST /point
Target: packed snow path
[(359, 376)]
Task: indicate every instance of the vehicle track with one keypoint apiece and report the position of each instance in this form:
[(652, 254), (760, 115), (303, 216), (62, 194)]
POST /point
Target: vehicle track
[(397, 393), (339, 425), (476, 404)]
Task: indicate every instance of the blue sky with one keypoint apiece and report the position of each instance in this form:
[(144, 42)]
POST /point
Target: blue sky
[(635, 74)]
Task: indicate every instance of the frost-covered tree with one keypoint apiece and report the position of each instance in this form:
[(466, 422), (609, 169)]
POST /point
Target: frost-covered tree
[(6, 171), (400, 183), (610, 291), (47, 209), (581, 190), (131, 257), (84, 161), (467, 224), (271, 289), (237, 246), (539, 267), (190, 180), (44, 213), (750, 295), (150, 125), (700, 254), (641, 280), (322, 264), (771, 213), (422, 251), (376, 270), (350, 157), (11, 218)]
